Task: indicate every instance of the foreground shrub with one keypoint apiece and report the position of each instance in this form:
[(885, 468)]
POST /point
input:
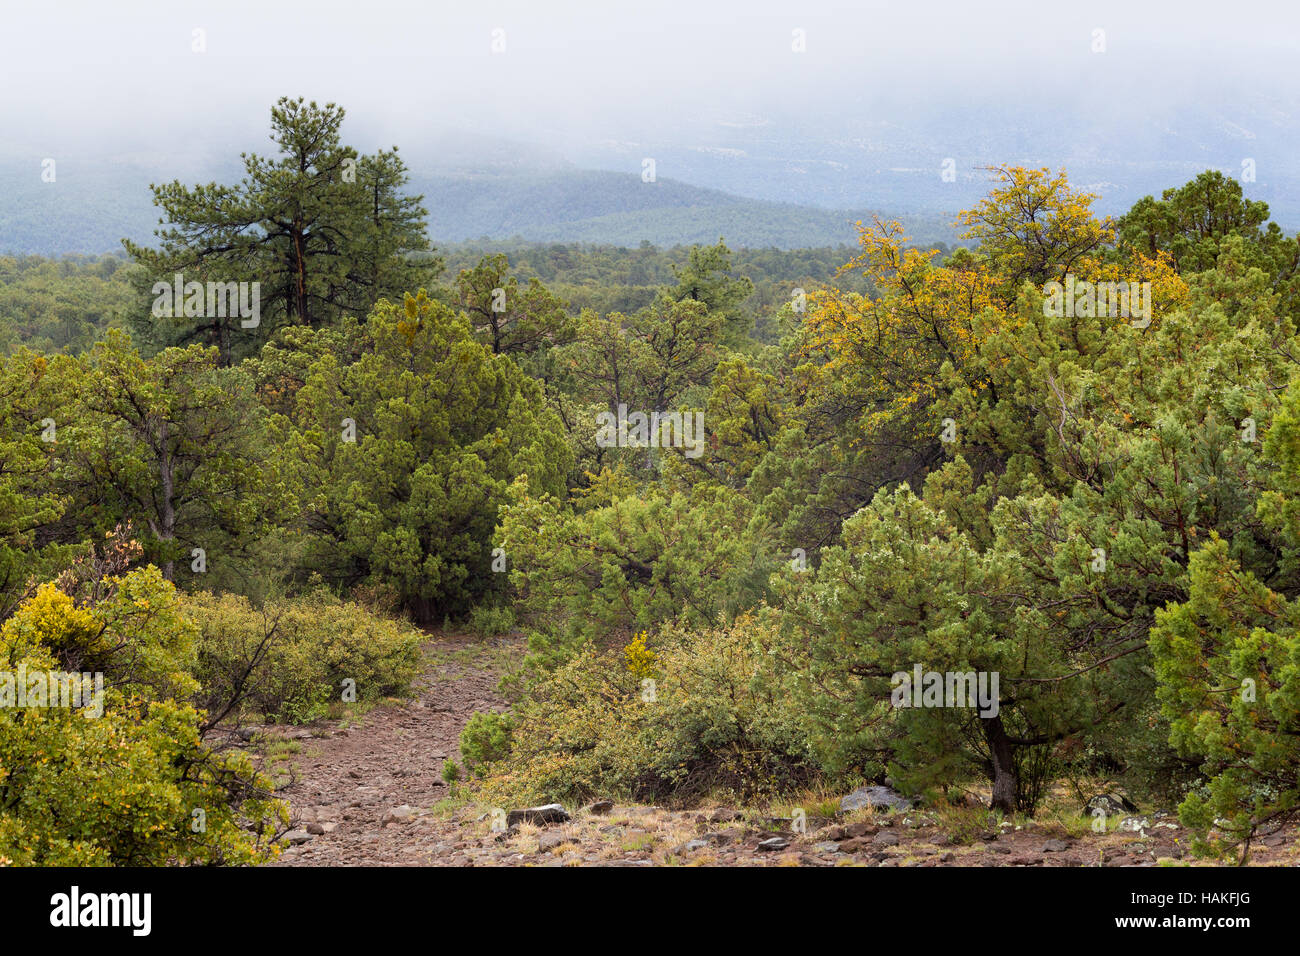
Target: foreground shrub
[(713, 717), (1228, 660), (289, 660), (125, 780)]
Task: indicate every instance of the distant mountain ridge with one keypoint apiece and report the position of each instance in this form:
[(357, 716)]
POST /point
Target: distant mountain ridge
[(92, 205), (618, 208)]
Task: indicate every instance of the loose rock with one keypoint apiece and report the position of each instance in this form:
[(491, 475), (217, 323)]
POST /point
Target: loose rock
[(538, 816), (876, 797)]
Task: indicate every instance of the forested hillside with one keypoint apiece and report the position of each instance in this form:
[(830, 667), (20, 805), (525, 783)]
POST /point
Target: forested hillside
[(93, 203), (986, 527)]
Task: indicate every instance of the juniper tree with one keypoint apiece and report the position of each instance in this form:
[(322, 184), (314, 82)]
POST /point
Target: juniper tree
[(406, 455)]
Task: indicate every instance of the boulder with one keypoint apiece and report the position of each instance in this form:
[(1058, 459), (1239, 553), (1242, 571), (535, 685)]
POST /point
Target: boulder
[(876, 797), (538, 816), (1111, 804)]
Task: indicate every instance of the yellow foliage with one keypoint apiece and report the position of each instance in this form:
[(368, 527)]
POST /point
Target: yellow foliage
[(640, 660)]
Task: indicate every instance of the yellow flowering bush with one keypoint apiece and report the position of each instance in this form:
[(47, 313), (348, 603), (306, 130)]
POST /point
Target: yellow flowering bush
[(639, 659), (134, 786)]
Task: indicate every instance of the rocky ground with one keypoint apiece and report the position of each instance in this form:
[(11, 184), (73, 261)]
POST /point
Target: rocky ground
[(369, 791)]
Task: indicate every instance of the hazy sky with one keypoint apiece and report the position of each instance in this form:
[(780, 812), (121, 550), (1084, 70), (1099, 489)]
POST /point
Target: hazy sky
[(125, 76)]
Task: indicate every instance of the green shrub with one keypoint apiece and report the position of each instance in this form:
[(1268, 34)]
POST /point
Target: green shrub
[(289, 659), (625, 560), (488, 620), (451, 774), (485, 739), (715, 719)]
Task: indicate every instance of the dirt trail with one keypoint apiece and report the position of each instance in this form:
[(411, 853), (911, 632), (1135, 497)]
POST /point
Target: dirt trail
[(351, 778)]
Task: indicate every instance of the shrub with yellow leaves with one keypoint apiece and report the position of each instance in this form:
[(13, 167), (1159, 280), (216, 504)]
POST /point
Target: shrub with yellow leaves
[(639, 659), (134, 786)]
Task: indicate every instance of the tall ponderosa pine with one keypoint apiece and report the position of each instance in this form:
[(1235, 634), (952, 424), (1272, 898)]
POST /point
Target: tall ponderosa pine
[(326, 232)]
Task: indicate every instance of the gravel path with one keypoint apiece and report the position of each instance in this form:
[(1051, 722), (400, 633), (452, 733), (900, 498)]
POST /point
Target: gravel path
[(351, 779)]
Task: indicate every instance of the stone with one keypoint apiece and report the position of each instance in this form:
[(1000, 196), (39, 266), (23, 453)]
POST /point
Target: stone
[(538, 816), (296, 837), (1111, 804), (723, 837), (400, 814), (877, 798), (550, 841)]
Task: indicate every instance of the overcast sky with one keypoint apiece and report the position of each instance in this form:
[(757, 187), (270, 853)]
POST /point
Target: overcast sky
[(125, 76)]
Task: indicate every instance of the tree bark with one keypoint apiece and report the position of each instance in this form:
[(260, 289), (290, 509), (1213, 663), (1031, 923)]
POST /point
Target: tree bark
[(1005, 784), (167, 518)]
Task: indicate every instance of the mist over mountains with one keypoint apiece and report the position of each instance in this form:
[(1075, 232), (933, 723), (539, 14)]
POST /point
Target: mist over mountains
[(779, 127), (754, 181)]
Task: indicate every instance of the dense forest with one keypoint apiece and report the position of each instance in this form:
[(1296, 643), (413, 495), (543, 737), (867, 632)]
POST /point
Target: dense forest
[(728, 499)]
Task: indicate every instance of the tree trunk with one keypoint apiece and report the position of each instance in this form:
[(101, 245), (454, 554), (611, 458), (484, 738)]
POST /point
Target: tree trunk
[(1005, 784), (167, 518), (423, 610)]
